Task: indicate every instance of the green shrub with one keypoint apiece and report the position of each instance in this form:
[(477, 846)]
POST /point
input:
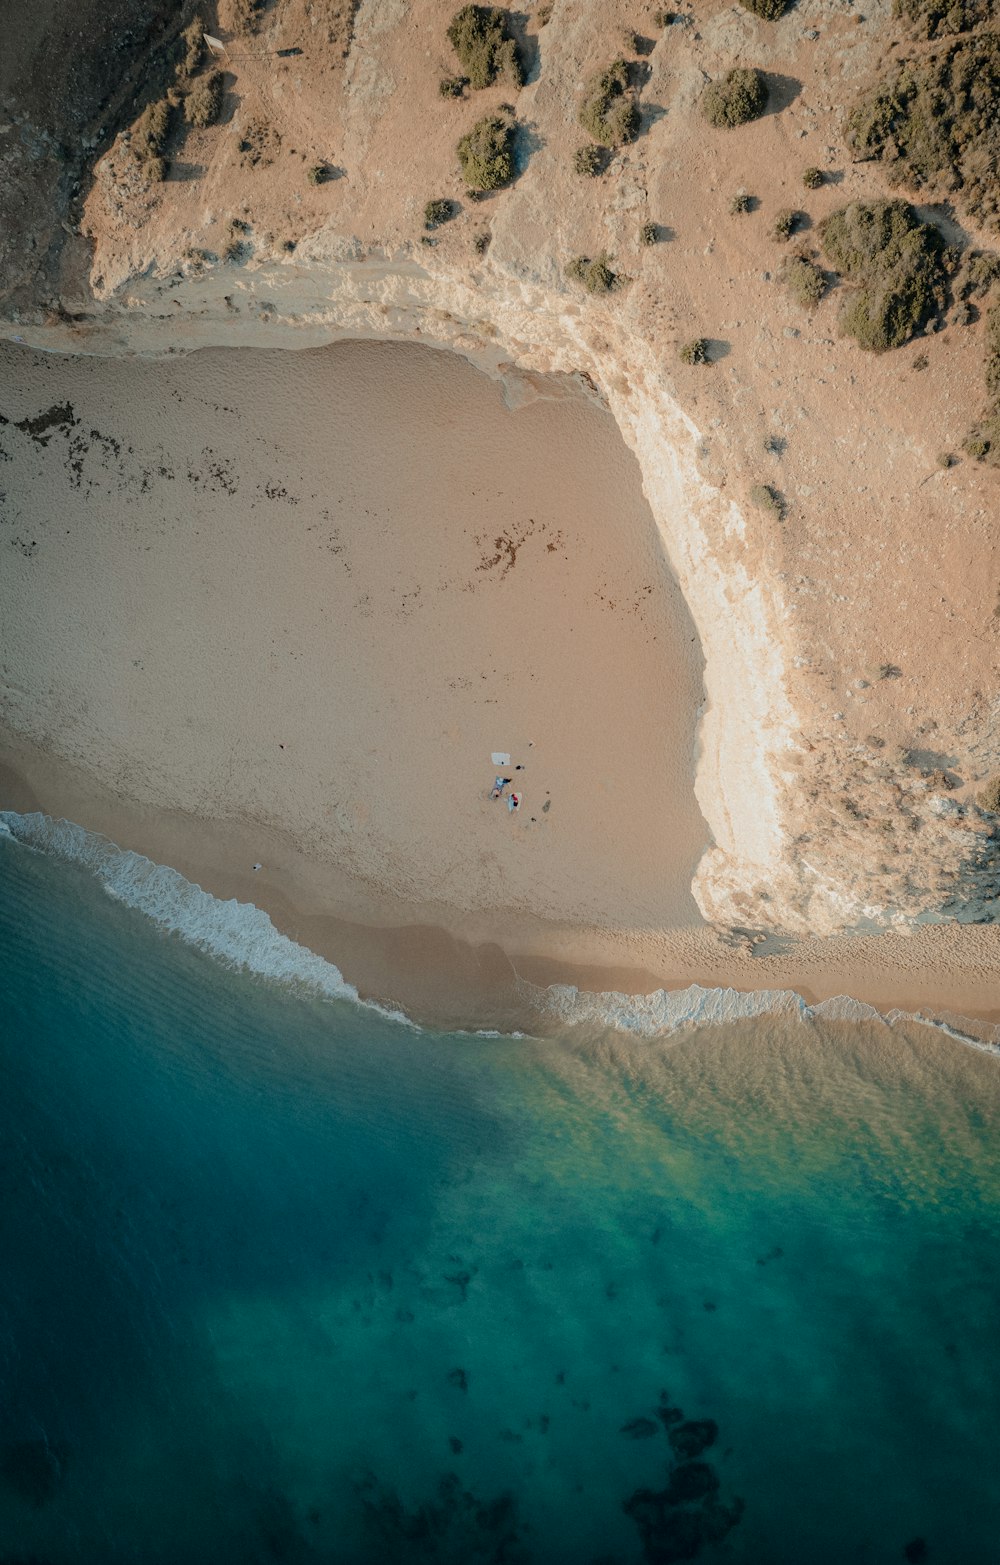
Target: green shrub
[(318, 174), (766, 498), (946, 459), (482, 39), (741, 203), (894, 262), (935, 18), (770, 10), (437, 212), (245, 15), (609, 111), (486, 154), (149, 137), (935, 122), (785, 224), (649, 234), (204, 102), (595, 274), (988, 798), (590, 160), (452, 86), (663, 19), (804, 281), (543, 15), (812, 178), (737, 98), (980, 270), (192, 42), (481, 244), (976, 446), (695, 351)]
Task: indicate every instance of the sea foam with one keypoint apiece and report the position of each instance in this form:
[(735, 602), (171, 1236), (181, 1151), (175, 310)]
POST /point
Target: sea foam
[(239, 934)]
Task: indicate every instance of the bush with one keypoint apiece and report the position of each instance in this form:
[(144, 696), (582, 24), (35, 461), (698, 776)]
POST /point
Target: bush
[(543, 15), (649, 233), (804, 281), (737, 98), (935, 121), (318, 174), (245, 15), (609, 111), (204, 102), (894, 261), (590, 160), (769, 10), (595, 275), (481, 244), (767, 499), (149, 138), (812, 178), (437, 212), (988, 798), (486, 154), (785, 224), (946, 459), (741, 203), (482, 39), (193, 43), (695, 351)]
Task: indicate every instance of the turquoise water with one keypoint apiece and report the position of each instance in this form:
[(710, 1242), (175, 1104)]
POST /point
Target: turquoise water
[(283, 1279)]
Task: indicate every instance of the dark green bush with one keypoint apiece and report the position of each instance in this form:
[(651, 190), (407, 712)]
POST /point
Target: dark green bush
[(736, 98), (741, 203), (695, 351), (609, 111), (785, 223), (804, 281), (482, 39), (204, 102), (192, 43), (437, 212), (590, 160), (595, 274), (935, 122), (812, 178), (486, 153), (894, 262), (766, 498), (318, 174), (149, 138), (944, 18), (452, 86), (769, 10)]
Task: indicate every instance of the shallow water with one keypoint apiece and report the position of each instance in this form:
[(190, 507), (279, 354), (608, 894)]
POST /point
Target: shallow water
[(284, 1279)]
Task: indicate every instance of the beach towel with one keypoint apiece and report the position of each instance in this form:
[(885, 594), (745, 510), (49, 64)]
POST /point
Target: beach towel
[(500, 758)]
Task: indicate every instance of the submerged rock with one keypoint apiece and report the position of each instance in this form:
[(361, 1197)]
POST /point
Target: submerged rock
[(692, 1437), (639, 1429)]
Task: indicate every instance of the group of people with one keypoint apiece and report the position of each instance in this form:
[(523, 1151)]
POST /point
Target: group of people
[(498, 792)]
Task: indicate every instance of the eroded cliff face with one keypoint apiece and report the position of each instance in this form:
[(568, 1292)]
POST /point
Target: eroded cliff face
[(850, 634)]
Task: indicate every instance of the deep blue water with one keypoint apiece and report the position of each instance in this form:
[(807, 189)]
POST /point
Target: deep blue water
[(283, 1280)]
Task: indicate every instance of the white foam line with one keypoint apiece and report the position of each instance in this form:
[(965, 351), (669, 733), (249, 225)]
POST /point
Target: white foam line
[(239, 934)]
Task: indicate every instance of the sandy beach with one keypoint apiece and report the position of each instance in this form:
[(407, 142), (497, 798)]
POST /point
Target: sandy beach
[(237, 632)]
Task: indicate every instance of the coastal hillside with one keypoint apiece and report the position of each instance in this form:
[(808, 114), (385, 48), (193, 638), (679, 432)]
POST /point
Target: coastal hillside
[(766, 237)]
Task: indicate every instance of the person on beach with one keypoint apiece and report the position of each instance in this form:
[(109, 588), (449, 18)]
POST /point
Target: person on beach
[(499, 784), (514, 802)]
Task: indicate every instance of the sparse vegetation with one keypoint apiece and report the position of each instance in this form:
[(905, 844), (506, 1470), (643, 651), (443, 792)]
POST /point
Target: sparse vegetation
[(804, 281), (766, 498), (663, 19), (741, 203), (481, 37), (192, 42), (244, 15), (203, 103), (318, 174), (934, 18), (590, 160), (595, 274), (486, 153), (812, 178), (946, 459), (921, 362), (736, 98), (695, 351), (481, 244), (452, 86), (977, 446), (935, 123), (543, 15), (785, 224), (609, 112), (980, 270), (894, 262), (649, 233), (437, 212), (768, 10)]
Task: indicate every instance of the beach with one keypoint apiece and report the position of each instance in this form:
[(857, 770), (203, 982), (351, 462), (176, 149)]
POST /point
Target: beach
[(281, 609)]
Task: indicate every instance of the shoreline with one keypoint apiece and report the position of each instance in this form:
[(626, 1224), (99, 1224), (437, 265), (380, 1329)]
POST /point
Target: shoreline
[(449, 969)]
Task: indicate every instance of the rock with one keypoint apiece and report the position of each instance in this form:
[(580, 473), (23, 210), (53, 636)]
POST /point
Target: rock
[(692, 1437)]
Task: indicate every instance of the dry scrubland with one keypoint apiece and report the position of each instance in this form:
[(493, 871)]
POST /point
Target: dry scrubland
[(767, 234)]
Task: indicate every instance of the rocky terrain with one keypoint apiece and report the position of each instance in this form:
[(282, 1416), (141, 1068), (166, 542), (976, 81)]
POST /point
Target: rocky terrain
[(830, 509)]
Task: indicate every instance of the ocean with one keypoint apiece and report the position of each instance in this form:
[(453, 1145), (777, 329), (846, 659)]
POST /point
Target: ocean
[(286, 1278)]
